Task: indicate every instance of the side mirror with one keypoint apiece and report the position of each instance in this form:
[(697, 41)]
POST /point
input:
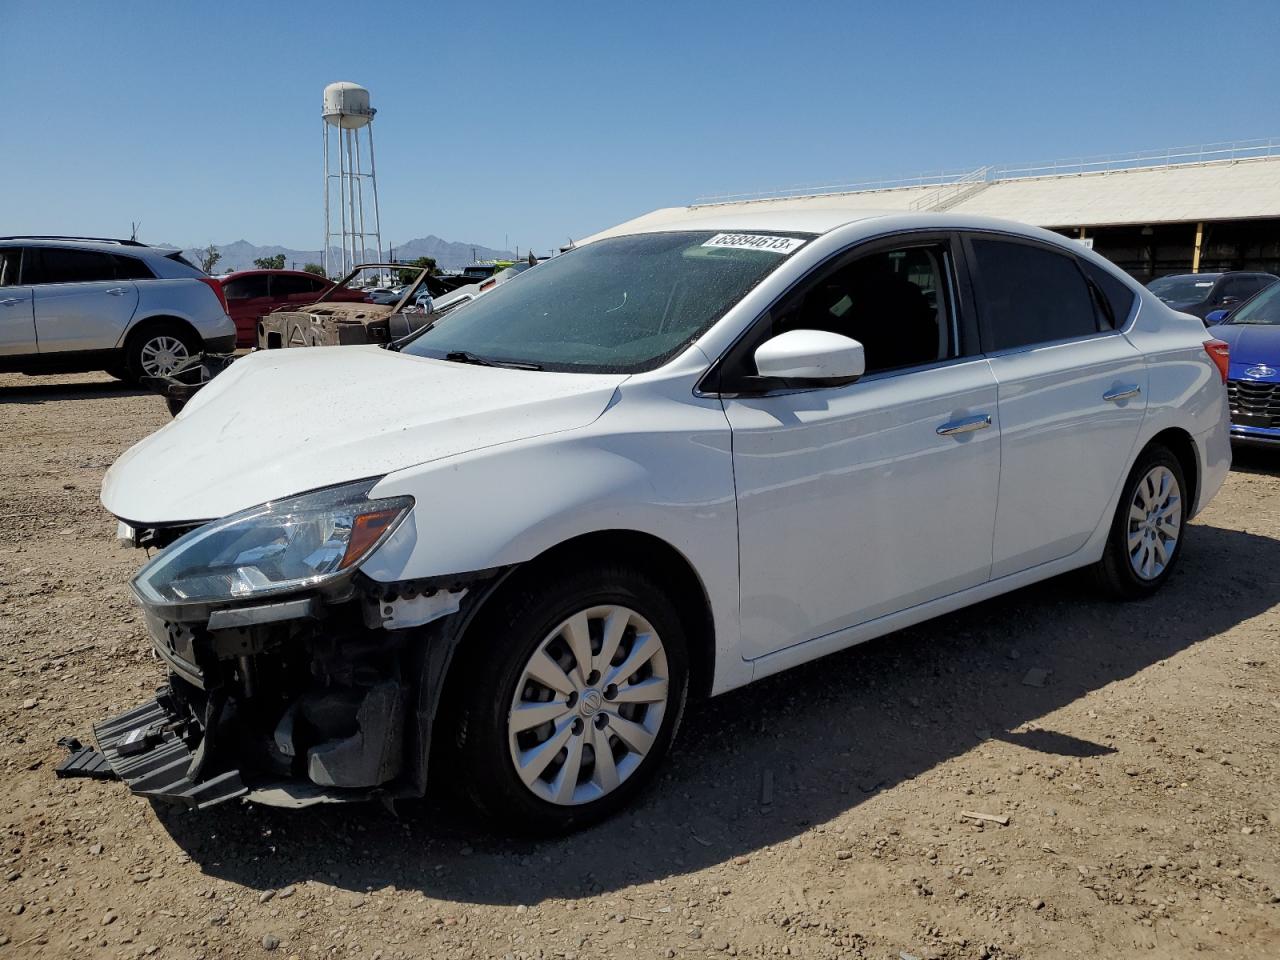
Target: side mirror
[(810, 358), (1215, 317)]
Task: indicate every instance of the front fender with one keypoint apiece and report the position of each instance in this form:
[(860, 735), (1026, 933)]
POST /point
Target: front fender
[(508, 504)]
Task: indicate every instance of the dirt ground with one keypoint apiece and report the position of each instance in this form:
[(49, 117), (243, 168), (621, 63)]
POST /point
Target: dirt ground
[(818, 814)]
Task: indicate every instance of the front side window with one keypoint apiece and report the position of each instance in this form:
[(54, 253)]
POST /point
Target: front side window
[(10, 262), (1264, 309), (1029, 295), (75, 266), (1240, 288), (619, 305), (894, 302)]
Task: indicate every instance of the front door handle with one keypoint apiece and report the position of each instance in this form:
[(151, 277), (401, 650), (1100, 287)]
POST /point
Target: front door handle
[(116, 291), (12, 300), (1121, 393), (965, 425)]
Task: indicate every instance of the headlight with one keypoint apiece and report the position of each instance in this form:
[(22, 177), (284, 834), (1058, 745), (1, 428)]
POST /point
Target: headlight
[(273, 548)]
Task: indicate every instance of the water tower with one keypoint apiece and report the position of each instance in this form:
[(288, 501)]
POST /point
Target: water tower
[(348, 166)]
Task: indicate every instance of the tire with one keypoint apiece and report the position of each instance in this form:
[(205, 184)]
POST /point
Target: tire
[(531, 630), (1129, 572), (166, 342)]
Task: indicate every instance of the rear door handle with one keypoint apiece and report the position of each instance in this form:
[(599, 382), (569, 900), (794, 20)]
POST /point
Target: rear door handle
[(965, 425), (12, 300), (116, 291), (1121, 393)]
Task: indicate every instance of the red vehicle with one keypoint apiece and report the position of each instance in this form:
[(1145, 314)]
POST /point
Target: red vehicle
[(252, 294)]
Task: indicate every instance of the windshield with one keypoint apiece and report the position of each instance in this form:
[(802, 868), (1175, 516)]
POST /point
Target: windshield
[(1264, 308), (619, 305), (1183, 289)]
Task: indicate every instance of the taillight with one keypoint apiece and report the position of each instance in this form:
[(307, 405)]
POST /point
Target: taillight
[(216, 287), (1218, 352)]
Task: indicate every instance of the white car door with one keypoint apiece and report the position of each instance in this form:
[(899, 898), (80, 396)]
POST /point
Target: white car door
[(17, 318), (79, 302), (1072, 397), (862, 500)]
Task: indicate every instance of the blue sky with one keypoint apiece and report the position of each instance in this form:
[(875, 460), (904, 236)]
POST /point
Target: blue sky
[(537, 122)]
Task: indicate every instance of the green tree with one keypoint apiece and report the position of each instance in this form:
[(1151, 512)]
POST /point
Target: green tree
[(314, 268), (270, 263), (408, 276), (209, 258)]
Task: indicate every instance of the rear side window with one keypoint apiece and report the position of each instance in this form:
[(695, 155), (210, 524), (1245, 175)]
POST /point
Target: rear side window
[(74, 266), (246, 288), (1117, 298), (131, 268), (287, 286), (1028, 295)]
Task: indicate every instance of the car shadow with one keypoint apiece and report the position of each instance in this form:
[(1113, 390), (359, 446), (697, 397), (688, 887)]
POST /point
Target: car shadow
[(815, 741), (38, 392), (1255, 459)]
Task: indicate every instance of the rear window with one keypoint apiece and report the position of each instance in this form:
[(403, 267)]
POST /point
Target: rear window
[(177, 257), (1190, 288), (1029, 295)]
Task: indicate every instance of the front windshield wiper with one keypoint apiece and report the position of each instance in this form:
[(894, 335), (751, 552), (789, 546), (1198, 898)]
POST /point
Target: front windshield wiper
[(466, 356)]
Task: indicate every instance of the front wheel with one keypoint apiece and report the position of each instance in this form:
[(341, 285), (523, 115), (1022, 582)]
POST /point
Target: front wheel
[(1145, 540), (573, 691)]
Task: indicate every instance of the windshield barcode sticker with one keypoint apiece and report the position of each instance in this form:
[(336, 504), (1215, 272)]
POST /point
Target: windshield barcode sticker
[(756, 241)]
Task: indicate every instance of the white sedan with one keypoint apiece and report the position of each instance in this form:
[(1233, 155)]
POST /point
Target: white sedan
[(702, 448)]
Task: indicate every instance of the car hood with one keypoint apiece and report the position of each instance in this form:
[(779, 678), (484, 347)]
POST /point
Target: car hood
[(1250, 343), (281, 422)]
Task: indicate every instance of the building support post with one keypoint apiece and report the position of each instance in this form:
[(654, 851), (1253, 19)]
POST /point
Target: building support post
[(1195, 254), (1082, 236)]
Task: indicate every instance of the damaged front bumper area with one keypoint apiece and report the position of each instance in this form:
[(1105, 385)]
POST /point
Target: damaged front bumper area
[(305, 700)]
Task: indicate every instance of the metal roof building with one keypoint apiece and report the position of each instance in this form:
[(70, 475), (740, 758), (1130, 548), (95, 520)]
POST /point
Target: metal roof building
[(1214, 207)]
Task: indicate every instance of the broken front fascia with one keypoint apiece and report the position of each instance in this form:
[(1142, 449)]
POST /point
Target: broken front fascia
[(326, 696)]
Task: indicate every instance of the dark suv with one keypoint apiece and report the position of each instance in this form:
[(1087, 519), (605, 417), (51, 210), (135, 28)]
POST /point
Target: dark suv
[(1200, 293), (75, 304)]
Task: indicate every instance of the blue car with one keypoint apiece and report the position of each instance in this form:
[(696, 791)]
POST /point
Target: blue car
[(1252, 330)]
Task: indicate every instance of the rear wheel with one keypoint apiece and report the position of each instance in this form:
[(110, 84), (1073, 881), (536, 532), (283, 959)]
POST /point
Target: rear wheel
[(573, 693), (1146, 535), (158, 349)]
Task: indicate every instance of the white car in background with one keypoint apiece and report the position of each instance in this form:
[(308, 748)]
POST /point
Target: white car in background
[(695, 451)]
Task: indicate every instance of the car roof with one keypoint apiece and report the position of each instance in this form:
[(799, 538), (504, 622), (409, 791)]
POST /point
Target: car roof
[(277, 273), (1187, 276), (811, 215), (128, 248)]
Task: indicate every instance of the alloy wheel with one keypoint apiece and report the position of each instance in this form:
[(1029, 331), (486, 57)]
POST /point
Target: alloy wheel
[(589, 705), (161, 355), (1155, 522)]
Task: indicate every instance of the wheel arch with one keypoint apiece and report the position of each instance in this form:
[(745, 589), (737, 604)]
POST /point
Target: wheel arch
[(141, 325), (1183, 446), (648, 552), (657, 556)]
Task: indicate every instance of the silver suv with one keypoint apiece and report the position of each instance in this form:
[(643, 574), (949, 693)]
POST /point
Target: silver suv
[(74, 304)]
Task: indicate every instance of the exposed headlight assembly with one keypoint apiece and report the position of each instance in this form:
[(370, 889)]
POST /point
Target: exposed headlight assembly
[(281, 547)]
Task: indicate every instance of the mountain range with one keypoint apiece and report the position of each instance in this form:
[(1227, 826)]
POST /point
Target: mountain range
[(449, 255)]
